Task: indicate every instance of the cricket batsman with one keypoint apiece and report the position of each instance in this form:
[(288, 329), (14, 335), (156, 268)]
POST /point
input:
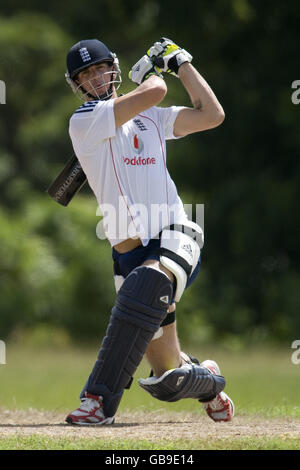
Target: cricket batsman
[(120, 142)]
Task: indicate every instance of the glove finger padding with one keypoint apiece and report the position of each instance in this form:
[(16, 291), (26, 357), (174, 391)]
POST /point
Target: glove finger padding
[(155, 50), (168, 56)]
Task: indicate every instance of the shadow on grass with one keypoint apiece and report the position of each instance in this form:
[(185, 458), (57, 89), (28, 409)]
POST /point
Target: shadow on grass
[(67, 425)]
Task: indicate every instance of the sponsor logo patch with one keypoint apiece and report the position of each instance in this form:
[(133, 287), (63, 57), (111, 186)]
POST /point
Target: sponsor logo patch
[(138, 144), (139, 161)]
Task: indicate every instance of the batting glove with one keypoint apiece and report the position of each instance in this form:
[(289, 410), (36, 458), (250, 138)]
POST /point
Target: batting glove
[(167, 56), (142, 70)]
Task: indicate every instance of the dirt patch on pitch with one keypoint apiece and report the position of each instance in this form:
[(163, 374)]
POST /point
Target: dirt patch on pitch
[(151, 426)]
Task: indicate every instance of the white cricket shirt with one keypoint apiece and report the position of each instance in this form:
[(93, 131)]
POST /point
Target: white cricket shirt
[(126, 169)]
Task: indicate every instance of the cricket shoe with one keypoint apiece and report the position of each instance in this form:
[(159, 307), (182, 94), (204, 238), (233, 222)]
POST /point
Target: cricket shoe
[(90, 412), (221, 408)]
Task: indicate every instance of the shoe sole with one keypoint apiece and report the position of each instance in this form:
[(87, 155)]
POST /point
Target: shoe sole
[(232, 411), (101, 423), (231, 415)]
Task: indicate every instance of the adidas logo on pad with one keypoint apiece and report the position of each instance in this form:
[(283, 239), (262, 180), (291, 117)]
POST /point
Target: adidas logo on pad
[(164, 299), (188, 249), (180, 379)]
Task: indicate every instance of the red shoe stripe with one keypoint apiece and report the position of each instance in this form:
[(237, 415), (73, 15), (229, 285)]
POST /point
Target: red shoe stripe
[(94, 397)]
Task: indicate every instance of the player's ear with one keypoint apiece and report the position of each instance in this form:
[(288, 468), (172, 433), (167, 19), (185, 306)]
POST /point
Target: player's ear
[(115, 72), (76, 79)]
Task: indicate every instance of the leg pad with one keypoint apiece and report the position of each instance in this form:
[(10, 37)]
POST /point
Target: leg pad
[(188, 381), (141, 305)]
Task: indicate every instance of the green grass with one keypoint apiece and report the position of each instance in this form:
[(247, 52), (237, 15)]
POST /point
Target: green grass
[(35, 442), (260, 382)]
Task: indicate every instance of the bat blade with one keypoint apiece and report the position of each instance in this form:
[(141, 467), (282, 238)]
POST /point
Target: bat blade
[(69, 181)]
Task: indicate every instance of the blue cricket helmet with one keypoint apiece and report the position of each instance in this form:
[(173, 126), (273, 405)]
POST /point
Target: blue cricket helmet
[(86, 53)]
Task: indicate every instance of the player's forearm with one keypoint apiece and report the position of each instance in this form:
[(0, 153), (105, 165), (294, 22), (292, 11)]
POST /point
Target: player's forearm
[(201, 95), (153, 82), (149, 93)]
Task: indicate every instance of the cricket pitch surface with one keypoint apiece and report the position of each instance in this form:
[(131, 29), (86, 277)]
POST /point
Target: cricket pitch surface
[(148, 426)]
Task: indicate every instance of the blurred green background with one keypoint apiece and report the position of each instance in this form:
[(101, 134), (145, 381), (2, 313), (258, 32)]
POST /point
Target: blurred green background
[(55, 274)]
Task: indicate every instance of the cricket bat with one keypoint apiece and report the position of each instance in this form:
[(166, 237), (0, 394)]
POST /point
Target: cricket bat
[(69, 181)]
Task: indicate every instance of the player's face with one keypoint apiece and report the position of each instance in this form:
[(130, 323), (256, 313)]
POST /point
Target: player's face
[(95, 79)]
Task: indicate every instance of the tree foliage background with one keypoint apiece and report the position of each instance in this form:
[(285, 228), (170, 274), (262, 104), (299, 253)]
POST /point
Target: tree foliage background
[(53, 269)]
